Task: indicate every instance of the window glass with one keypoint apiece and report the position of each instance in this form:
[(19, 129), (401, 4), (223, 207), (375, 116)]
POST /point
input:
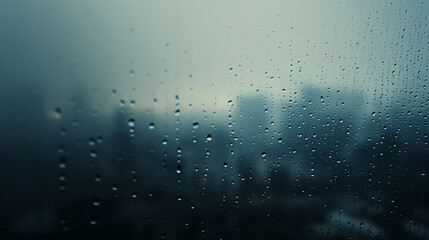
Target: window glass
[(214, 119)]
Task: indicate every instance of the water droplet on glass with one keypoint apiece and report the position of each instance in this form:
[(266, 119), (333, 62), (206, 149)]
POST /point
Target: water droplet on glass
[(97, 177), (131, 122), (96, 202), (91, 141), (93, 154), (93, 220), (209, 137), (57, 113)]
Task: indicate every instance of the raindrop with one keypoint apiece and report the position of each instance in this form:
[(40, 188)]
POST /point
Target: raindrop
[(57, 113), (93, 153), (97, 177), (91, 142), (96, 202), (93, 220), (131, 122)]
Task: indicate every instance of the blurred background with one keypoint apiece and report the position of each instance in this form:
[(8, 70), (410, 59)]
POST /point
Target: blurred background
[(214, 119)]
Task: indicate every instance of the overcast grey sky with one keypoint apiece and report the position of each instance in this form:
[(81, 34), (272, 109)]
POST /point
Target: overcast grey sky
[(157, 49)]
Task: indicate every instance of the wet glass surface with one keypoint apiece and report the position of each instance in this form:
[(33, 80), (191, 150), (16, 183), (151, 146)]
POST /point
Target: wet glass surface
[(214, 120)]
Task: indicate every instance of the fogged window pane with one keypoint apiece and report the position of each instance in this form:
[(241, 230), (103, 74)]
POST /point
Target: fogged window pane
[(214, 120)]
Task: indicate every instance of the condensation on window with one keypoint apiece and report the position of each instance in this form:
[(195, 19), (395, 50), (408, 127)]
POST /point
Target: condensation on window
[(214, 119)]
